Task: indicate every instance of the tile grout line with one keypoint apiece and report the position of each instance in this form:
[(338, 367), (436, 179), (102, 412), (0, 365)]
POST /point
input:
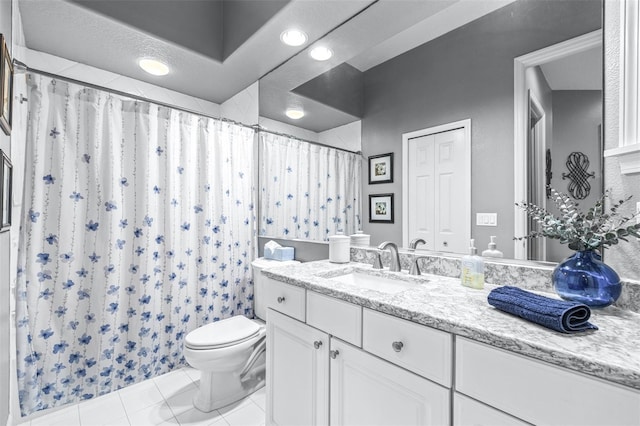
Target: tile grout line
[(165, 402), (126, 414)]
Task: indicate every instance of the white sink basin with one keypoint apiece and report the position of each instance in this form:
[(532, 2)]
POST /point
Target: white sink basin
[(373, 282)]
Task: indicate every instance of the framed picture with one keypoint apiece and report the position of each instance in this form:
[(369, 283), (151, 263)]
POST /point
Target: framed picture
[(381, 168), (6, 173), (6, 87), (381, 208)]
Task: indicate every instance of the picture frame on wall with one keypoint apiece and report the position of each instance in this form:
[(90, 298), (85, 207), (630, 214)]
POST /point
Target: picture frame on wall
[(381, 208), (381, 168), (6, 181), (6, 86)]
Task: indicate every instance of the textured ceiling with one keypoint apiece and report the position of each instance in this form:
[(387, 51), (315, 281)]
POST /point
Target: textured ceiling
[(382, 31), (216, 48), (206, 60)]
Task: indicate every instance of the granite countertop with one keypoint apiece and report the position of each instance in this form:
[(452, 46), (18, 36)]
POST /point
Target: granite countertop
[(611, 353)]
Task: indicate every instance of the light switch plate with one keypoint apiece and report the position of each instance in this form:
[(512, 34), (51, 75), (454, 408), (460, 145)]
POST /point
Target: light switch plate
[(487, 219)]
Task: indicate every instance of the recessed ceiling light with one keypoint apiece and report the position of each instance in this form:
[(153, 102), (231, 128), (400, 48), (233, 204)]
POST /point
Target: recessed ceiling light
[(153, 66), (294, 113), (293, 37), (321, 53)]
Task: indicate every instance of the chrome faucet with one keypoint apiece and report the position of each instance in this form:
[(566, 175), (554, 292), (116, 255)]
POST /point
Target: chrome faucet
[(414, 243), (395, 257)]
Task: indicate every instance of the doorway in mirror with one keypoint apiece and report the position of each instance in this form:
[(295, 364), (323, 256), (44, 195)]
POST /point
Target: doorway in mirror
[(557, 110)]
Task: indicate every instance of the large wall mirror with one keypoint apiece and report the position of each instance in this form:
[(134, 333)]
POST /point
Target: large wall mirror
[(400, 67)]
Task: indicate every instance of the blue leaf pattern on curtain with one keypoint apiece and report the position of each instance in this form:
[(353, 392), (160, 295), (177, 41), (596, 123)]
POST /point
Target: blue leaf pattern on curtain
[(308, 191), (138, 227)]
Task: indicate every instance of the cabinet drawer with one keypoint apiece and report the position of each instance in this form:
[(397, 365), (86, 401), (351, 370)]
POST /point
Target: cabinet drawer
[(336, 317), (467, 411), (538, 392), (285, 298), (418, 348)]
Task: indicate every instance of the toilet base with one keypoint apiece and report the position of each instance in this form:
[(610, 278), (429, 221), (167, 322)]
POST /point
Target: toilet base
[(220, 389)]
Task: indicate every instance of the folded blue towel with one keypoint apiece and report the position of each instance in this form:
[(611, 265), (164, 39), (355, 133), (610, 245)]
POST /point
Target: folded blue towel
[(559, 315)]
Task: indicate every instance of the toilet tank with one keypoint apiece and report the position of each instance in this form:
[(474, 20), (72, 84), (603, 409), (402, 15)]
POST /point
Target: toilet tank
[(259, 265)]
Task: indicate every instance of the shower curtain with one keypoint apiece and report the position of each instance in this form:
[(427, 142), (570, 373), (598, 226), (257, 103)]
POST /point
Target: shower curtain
[(308, 191), (138, 227)]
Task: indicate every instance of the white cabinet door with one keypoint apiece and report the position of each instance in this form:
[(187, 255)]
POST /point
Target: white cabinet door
[(297, 372), (366, 390)]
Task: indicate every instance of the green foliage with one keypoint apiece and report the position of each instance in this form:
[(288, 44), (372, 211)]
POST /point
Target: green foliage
[(594, 229)]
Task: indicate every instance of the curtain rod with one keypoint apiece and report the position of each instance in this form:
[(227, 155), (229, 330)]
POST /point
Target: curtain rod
[(127, 95), (287, 135), (255, 127)]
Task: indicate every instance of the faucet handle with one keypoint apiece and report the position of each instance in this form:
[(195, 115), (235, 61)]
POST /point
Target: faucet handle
[(377, 263), (415, 269)]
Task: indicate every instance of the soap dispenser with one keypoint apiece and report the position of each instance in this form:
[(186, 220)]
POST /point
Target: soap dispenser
[(472, 269), (492, 251)]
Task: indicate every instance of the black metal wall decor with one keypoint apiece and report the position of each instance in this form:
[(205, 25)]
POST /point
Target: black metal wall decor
[(578, 165), (548, 173)]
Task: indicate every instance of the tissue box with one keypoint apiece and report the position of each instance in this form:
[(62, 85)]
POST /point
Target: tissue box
[(279, 253)]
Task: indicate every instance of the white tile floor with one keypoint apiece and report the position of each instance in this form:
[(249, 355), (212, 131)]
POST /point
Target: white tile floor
[(164, 400)]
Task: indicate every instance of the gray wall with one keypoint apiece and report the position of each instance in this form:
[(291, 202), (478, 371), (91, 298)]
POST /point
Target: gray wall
[(5, 253), (577, 113), (467, 73), (305, 251)]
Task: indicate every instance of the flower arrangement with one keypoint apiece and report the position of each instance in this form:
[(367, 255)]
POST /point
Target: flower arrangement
[(594, 229)]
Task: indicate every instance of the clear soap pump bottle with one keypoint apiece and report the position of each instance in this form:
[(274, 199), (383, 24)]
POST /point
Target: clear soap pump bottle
[(492, 251), (472, 268)]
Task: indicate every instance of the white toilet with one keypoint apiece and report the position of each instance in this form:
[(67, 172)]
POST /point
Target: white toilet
[(230, 354)]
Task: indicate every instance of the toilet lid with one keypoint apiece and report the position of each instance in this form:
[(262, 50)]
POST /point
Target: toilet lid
[(222, 333)]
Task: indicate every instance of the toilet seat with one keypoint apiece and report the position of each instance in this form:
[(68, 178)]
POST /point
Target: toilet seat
[(221, 334)]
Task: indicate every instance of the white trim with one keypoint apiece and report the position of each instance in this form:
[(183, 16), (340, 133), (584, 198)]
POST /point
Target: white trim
[(629, 73), (628, 157), (520, 108), (462, 124), (540, 153)]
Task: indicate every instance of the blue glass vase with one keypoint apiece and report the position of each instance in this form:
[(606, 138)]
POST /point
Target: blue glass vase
[(584, 278)]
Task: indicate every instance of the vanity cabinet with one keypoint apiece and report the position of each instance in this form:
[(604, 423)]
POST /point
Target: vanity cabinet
[(333, 362), (315, 378)]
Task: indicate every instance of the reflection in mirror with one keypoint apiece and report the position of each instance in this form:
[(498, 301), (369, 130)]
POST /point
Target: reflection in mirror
[(401, 67), (308, 191), (558, 133)]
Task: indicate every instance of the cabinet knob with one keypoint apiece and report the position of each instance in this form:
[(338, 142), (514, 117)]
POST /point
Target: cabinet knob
[(334, 354), (317, 344), (397, 346), (281, 299)]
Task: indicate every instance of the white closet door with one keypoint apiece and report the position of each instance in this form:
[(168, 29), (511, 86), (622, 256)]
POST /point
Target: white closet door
[(438, 178), (422, 190)]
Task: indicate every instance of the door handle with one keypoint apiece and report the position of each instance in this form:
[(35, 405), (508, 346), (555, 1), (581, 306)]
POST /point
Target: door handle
[(281, 299), (334, 354), (317, 344)]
